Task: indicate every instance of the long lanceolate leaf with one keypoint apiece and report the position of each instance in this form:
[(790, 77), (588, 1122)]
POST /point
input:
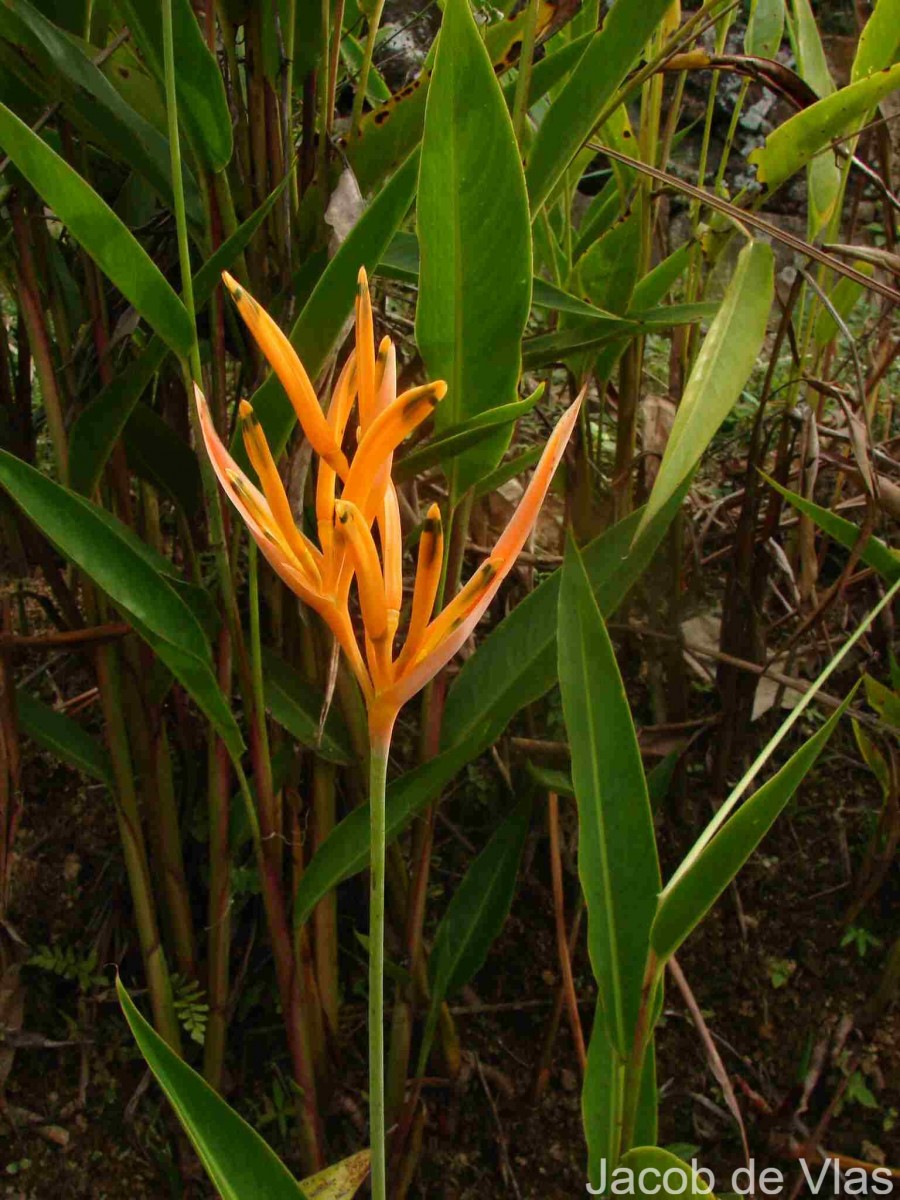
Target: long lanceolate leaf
[(873, 551), (793, 144), (674, 919), (202, 103), (92, 222), (514, 665), (475, 915), (90, 99), (617, 860), (574, 113), (687, 900), (105, 550), (723, 366), (99, 426), (319, 325), (63, 737), (235, 1157), (474, 241)]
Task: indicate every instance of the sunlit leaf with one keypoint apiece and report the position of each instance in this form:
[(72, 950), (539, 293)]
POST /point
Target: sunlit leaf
[(202, 103), (474, 237), (791, 146), (722, 367)]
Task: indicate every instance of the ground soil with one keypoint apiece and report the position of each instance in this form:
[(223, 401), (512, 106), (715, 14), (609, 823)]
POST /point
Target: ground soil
[(767, 969)]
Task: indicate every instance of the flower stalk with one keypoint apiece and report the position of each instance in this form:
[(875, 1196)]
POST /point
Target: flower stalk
[(323, 573)]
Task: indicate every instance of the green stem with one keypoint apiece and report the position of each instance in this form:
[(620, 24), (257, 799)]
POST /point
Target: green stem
[(184, 253), (523, 83), (378, 760), (219, 901), (363, 80), (39, 338)]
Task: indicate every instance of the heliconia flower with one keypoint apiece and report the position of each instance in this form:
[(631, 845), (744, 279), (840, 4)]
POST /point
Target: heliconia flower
[(322, 575)]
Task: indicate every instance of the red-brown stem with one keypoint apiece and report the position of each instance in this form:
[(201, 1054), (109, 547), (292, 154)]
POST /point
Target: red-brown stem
[(135, 850), (39, 338), (542, 1070), (303, 956), (325, 915), (634, 1066), (562, 941), (289, 992), (10, 769)]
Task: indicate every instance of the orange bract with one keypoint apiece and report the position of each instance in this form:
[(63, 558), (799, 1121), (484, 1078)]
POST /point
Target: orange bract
[(322, 575)]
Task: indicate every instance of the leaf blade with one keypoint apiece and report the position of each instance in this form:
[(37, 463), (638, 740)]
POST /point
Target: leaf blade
[(237, 1160), (474, 236), (722, 367), (96, 227), (617, 861)]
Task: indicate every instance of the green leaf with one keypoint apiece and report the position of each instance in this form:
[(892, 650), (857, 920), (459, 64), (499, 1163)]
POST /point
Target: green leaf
[(658, 779), (885, 702), (579, 106), (691, 894), (92, 100), (100, 424), (479, 907), (401, 261), (96, 227), (556, 64), (508, 470), (63, 737), (235, 1157), (608, 269), (202, 103), (389, 134), (157, 454), (792, 145), (516, 663), (601, 1101), (875, 553), (554, 347), (721, 370), (297, 707), (117, 561), (321, 321), (462, 437), (879, 42), (474, 242), (475, 915), (617, 861), (513, 666), (346, 849), (810, 53), (683, 1180), (765, 28)]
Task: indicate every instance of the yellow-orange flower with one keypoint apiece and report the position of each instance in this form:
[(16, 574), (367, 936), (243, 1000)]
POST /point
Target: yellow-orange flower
[(322, 575)]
